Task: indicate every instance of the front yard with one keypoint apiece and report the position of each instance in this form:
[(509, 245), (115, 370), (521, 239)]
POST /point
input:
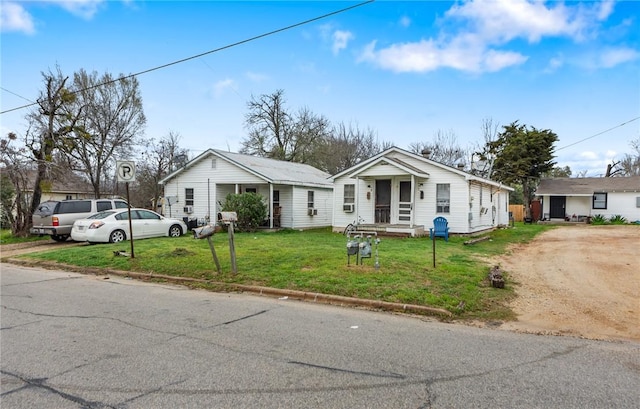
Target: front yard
[(316, 261)]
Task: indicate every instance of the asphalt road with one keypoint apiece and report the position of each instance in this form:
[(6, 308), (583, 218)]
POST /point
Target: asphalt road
[(75, 341)]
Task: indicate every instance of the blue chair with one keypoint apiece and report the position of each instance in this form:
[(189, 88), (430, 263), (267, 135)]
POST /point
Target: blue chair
[(440, 228)]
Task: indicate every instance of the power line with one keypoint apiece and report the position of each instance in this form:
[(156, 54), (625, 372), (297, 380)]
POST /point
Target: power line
[(600, 133), (17, 95), (210, 52)]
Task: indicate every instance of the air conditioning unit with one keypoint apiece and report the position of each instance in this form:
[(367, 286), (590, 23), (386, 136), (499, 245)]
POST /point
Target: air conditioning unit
[(348, 207), (312, 212), (188, 209)]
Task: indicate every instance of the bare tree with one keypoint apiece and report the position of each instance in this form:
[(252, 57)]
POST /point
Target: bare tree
[(15, 167), (629, 165), (269, 126), (276, 133), (346, 146), (444, 148), (309, 131), (481, 159), (53, 123), (158, 161), (112, 122)]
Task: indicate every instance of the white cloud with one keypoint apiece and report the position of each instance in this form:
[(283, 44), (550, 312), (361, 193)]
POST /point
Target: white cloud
[(497, 60), (588, 155), (221, 87), (405, 21), (554, 64), (503, 20), (13, 17), (487, 28), (462, 54), (256, 77), (340, 40), (605, 9), (82, 8), (614, 56)]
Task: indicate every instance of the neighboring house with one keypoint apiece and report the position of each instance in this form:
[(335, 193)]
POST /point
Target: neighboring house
[(298, 196), (578, 198), (401, 192), (71, 186)]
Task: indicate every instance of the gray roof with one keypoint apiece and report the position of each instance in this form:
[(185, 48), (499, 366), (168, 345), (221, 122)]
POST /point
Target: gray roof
[(271, 170), (587, 186)]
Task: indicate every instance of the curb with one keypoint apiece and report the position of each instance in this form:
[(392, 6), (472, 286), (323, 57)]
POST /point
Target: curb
[(266, 291)]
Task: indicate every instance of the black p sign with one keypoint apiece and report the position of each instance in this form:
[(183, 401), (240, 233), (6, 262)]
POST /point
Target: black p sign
[(126, 170)]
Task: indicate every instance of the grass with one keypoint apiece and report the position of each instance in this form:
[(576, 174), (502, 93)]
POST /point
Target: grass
[(7, 238), (316, 261)]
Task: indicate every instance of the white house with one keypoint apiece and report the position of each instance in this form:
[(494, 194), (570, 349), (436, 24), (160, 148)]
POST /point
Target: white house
[(579, 198), (401, 192), (298, 196)]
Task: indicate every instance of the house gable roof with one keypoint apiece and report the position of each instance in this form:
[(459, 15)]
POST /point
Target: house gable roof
[(270, 170), (386, 155), (394, 162), (587, 186)]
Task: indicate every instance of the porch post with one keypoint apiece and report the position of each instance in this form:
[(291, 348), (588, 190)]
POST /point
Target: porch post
[(270, 205), (413, 201), (357, 199)]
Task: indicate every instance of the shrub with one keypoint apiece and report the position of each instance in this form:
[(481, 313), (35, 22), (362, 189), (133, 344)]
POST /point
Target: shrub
[(250, 208), (617, 219), (598, 219)]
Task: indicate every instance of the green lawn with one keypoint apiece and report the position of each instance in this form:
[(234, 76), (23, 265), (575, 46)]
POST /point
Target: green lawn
[(7, 238), (316, 261)]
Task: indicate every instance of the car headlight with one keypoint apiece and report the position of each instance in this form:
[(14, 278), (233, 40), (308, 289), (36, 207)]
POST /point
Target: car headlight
[(96, 225)]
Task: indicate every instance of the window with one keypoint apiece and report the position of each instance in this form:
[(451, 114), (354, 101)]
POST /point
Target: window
[(443, 197), (147, 215), (68, 197), (480, 195), (251, 190), (349, 194), (276, 198), (310, 199), (81, 206), (599, 200), (103, 205), (188, 196)]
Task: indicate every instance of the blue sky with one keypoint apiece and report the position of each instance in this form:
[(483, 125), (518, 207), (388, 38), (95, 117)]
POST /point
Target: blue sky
[(403, 69)]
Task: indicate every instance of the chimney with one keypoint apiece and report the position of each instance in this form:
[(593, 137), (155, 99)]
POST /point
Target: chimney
[(426, 152)]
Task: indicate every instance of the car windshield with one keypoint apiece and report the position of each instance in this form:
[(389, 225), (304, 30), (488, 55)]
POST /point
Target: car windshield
[(101, 215)]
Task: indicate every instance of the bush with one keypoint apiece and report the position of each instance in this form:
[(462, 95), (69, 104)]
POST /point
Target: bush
[(250, 208), (598, 219), (617, 219)]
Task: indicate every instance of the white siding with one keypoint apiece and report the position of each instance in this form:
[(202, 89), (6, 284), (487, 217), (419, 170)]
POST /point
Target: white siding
[(323, 201), (623, 204), (618, 203), (493, 211)]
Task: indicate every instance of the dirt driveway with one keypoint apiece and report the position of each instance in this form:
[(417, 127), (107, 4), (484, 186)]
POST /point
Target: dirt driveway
[(578, 280)]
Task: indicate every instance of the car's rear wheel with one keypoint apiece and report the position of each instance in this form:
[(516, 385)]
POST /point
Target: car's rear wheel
[(60, 237), (175, 231), (117, 236)]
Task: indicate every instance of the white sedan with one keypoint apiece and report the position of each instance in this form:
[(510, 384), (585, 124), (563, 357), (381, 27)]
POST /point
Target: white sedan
[(112, 226)]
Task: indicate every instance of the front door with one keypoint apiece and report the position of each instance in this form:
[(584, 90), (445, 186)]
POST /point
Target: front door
[(383, 201), (557, 207), (404, 204)]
